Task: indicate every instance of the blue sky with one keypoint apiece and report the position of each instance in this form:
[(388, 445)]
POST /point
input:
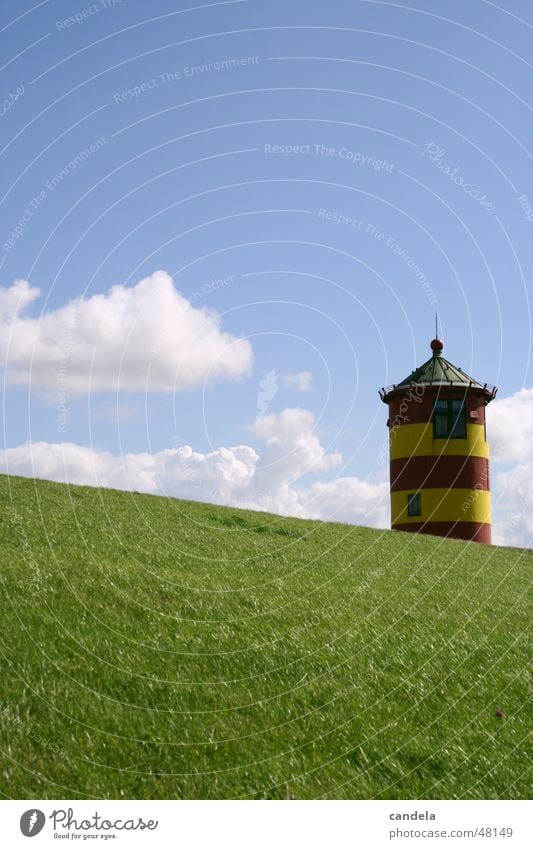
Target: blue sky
[(324, 176)]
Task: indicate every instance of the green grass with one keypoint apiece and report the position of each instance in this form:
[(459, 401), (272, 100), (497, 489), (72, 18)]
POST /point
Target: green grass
[(155, 648)]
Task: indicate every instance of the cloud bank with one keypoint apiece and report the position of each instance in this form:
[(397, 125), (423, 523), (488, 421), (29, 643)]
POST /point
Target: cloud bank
[(145, 337)]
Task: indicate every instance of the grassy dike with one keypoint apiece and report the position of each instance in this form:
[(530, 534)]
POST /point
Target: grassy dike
[(157, 648)]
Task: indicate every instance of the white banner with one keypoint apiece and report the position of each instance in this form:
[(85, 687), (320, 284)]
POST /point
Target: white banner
[(267, 824)]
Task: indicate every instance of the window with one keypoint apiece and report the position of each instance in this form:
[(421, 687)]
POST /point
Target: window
[(449, 419), (414, 507)]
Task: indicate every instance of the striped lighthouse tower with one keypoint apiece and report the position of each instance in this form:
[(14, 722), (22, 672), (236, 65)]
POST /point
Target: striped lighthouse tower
[(439, 455)]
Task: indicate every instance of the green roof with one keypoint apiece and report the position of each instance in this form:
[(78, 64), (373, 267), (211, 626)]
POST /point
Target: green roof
[(438, 371)]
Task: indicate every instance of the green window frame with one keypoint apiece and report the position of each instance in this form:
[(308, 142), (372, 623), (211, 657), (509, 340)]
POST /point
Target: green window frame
[(449, 419), (414, 504)]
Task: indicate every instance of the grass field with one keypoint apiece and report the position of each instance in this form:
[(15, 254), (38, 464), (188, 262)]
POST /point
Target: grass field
[(156, 648)]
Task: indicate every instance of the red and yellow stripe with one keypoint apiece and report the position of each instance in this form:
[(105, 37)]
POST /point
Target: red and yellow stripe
[(452, 477)]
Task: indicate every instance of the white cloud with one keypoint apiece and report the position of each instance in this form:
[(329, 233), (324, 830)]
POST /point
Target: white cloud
[(349, 499), (510, 434), (292, 451), (14, 299), (145, 337), (238, 476), (510, 426), (512, 493), (300, 381)]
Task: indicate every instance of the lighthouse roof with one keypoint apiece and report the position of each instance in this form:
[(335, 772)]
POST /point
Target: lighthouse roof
[(438, 371)]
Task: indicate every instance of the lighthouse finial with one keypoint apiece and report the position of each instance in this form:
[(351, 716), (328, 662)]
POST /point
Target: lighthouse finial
[(437, 344)]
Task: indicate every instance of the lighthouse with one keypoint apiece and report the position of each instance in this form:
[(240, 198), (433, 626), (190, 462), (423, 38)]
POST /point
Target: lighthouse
[(439, 454)]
